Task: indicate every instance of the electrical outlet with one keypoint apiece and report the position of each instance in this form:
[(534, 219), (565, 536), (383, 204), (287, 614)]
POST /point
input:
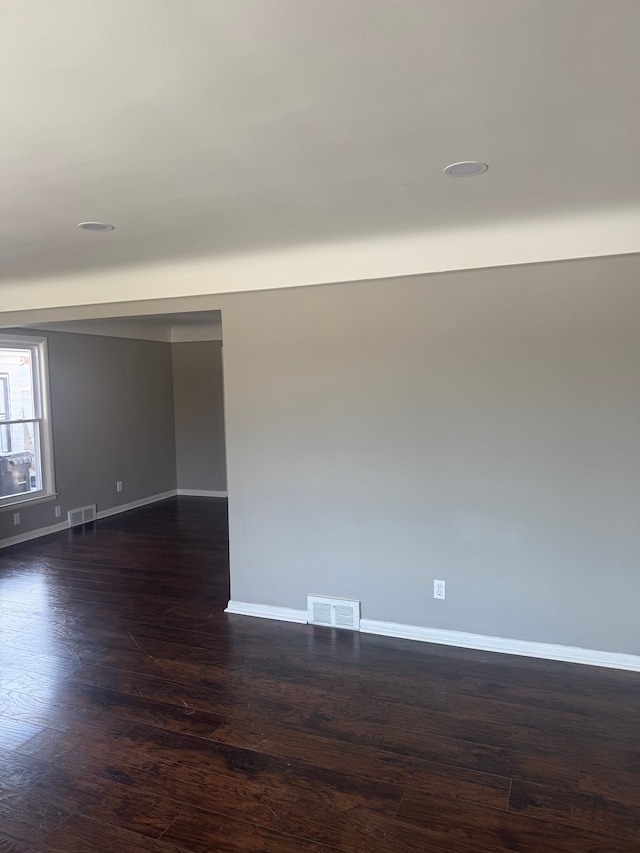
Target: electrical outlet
[(439, 589), (58, 511), (119, 486), (16, 518)]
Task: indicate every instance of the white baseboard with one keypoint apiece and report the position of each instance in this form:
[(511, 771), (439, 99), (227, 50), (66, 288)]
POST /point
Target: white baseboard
[(103, 513), (152, 499), (201, 493), (34, 534), (482, 642), (265, 611)]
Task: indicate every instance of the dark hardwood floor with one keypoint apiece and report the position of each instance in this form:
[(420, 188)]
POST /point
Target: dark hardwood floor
[(136, 716)]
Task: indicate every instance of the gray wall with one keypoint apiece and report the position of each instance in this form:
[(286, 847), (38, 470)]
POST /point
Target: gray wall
[(112, 412), (199, 415), (479, 427)]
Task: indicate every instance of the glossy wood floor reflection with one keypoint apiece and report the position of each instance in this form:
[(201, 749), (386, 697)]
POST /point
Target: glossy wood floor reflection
[(136, 716)]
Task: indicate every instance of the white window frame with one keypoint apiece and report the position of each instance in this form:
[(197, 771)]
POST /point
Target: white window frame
[(41, 419)]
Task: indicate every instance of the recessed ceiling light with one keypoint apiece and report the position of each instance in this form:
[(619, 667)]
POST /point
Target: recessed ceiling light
[(95, 226), (466, 169)]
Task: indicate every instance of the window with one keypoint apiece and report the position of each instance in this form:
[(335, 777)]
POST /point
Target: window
[(26, 448)]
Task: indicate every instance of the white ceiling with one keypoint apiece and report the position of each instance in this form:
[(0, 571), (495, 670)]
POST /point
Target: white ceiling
[(217, 129)]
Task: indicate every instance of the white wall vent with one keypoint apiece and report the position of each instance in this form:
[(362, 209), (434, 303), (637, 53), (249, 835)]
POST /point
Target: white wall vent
[(82, 515), (333, 612)]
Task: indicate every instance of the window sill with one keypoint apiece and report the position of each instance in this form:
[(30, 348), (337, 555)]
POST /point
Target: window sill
[(27, 501)]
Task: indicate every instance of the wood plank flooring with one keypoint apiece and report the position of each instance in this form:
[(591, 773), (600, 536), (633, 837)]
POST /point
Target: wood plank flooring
[(136, 716)]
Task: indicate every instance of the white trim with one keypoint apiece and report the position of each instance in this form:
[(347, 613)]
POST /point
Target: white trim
[(201, 493), (41, 420), (34, 534), (47, 459), (460, 639), (30, 501), (266, 611), (64, 525), (152, 499), (482, 642)]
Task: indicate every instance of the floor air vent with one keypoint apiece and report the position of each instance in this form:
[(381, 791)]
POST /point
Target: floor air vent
[(333, 612), (82, 515)]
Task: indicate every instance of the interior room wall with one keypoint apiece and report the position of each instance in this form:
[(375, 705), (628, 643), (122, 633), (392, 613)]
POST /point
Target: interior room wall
[(112, 416), (199, 416), (479, 427)]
